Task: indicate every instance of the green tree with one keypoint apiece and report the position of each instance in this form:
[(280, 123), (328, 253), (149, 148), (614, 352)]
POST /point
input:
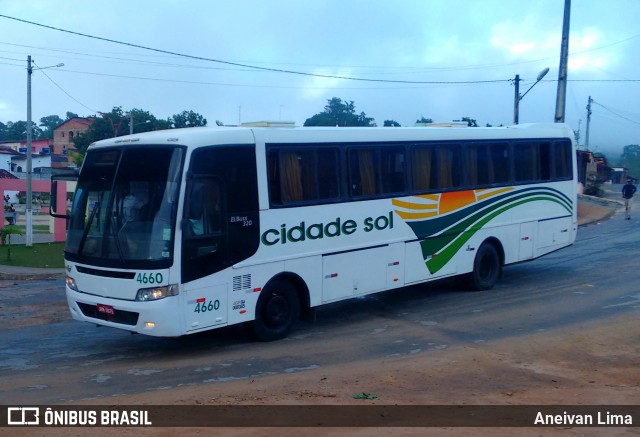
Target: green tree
[(5, 236), (391, 123), (630, 159), (470, 121), (339, 113), (49, 123), (424, 120), (107, 125), (187, 119), (117, 123), (71, 115), (17, 131), (143, 121)]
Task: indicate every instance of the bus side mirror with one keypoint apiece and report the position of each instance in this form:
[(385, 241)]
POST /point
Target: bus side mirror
[(53, 207)]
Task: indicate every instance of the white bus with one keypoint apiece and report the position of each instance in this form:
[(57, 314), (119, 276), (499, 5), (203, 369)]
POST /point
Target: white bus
[(180, 231)]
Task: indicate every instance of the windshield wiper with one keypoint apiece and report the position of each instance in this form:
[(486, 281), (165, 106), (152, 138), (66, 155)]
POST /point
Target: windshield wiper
[(87, 228)]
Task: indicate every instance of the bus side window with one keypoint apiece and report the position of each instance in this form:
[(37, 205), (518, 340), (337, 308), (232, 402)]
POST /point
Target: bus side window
[(562, 160), (449, 163), (296, 176), (363, 172), (526, 161)]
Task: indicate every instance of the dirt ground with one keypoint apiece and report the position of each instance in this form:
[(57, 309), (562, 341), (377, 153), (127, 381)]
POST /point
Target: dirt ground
[(586, 364)]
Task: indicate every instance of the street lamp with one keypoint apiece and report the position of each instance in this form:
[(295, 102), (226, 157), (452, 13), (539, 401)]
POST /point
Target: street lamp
[(518, 97), (28, 209), (131, 124)]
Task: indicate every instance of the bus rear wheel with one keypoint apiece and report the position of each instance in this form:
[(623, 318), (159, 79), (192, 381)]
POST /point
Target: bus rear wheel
[(486, 268), (277, 311)]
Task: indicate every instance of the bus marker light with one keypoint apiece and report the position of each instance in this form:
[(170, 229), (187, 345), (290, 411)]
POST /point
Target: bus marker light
[(149, 325), (257, 290), (202, 299), (243, 311)]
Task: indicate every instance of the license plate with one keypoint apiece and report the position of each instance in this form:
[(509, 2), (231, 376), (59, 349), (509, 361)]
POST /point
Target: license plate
[(106, 309)]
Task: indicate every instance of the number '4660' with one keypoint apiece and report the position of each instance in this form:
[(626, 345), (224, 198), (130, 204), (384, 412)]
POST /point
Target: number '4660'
[(205, 306), (150, 278)]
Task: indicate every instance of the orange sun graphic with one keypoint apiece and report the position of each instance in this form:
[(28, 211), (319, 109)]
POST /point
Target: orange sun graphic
[(455, 200)]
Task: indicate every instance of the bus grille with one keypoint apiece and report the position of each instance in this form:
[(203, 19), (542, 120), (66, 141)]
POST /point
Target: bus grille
[(124, 317)]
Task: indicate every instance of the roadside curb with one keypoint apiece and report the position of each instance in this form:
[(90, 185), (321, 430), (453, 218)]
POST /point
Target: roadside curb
[(30, 276), (599, 209), (601, 200)]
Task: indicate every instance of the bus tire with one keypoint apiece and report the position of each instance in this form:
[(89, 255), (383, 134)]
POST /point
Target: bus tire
[(277, 311), (486, 268)]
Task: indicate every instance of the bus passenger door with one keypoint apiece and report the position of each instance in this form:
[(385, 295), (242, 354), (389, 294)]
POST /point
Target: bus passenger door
[(204, 241), (204, 252)]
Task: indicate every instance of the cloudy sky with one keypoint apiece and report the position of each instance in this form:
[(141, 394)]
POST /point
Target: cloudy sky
[(283, 59)]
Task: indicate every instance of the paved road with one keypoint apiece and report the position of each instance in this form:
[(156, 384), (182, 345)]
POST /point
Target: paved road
[(596, 279)]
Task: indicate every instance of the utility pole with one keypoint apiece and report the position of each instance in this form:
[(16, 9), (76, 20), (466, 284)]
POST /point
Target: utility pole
[(29, 206), (586, 137), (28, 210), (516, 100), (561, 96)]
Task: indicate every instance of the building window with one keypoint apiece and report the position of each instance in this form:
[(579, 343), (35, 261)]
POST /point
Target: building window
[(70, 134)]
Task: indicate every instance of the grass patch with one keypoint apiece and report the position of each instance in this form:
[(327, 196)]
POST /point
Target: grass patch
[(49, 255), (37, 229)]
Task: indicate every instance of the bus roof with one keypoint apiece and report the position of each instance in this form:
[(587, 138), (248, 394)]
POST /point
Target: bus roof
[(201, 136)]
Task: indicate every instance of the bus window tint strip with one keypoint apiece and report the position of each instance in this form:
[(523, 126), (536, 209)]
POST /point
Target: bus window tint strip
[(312, 173)]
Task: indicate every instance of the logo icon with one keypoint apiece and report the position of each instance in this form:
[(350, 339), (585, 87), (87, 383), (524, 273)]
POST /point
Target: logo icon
[(23, 416)]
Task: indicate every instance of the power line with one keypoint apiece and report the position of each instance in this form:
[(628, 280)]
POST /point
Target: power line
[(417, 70), (155, 79), (615, 113), (63, 90), (238, 64), (302, 73)]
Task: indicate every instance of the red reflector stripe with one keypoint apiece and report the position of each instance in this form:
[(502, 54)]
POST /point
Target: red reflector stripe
[(202, 299), (256, 290), (243, 311)]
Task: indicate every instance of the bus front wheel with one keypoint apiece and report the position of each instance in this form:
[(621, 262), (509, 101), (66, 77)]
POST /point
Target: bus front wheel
[(486, 268), (277, 310)]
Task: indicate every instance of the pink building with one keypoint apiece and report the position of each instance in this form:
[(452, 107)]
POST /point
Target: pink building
[(64, 134)]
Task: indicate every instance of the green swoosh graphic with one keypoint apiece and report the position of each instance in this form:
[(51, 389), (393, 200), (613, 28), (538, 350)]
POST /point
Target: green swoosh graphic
[(446, 235), (426, 228), (434, 244), (435, 264)]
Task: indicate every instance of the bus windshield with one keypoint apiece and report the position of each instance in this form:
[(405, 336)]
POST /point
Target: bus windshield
[(125, 207)]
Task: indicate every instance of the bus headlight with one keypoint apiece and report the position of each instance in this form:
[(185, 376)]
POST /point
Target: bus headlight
[(155, 293), (71, 283)]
